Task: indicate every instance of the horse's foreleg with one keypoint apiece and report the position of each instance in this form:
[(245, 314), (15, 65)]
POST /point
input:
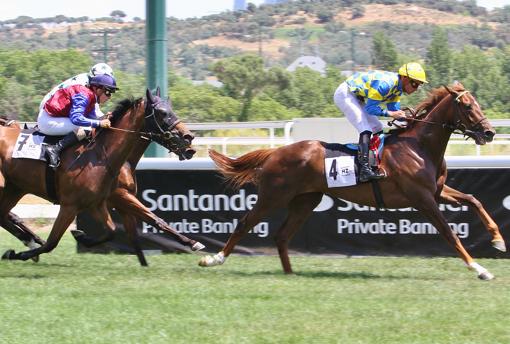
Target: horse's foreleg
[(64, 218), (431, 210), (300, 209), (254, 216), (452, 196), (101, 215), (127, 203), (129, 223)]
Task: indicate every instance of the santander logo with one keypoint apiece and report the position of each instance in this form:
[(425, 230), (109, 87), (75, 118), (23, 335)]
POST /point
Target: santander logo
[(325, 204), (506, 202)]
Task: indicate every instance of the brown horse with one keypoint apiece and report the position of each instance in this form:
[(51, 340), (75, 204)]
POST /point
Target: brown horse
[(292, 176), (87, 175), (123, 197)]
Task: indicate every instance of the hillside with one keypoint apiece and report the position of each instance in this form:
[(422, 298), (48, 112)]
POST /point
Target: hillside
[(337, 30), (400, 14)]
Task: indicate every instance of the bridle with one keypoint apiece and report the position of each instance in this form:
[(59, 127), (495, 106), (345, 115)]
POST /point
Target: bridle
[(150, 114), (457, 128)]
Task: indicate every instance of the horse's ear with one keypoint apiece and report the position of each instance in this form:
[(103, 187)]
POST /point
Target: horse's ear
[(158, 91), (458, 84), (149, 96)]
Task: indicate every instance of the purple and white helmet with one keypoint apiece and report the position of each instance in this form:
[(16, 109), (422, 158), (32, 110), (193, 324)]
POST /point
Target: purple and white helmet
[(100, 69), (104, 80)]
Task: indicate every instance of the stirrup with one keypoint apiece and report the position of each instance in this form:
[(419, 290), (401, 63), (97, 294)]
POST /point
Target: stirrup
[(368, 175)]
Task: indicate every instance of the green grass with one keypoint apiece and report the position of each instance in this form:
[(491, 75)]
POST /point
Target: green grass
[(72, 298)]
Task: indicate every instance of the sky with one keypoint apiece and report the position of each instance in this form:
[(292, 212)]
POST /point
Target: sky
[(134, 8)]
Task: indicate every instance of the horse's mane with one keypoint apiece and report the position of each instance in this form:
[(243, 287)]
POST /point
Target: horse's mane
[(123, 106), (436, 95), (423, 108)]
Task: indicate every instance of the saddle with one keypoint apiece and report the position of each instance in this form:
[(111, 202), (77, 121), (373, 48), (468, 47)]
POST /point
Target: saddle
[(334, 150)]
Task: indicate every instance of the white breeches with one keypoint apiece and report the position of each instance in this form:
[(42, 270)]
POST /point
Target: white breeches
[(354, 112), (55, 126)]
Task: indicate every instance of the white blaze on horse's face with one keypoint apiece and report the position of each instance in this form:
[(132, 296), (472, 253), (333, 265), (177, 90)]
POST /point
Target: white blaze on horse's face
[(471, 114)]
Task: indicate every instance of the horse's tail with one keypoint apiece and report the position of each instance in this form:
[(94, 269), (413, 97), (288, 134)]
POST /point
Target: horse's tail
[(242, 170)]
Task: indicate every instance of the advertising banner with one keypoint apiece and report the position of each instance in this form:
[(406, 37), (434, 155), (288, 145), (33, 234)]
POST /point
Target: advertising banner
[(199, 205)]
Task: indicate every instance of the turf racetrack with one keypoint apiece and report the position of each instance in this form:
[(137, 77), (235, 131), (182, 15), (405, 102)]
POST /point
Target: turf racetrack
[(85, 298)]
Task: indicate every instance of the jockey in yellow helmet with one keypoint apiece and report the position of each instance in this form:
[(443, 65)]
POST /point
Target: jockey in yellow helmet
[(362, 96)]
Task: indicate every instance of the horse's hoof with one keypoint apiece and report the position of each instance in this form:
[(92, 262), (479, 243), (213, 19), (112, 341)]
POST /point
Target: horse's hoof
[(35, 259), (9, 255), (499, 245), (198, 246), (217, 259), (83, 238), (486, 276), (77, 234)]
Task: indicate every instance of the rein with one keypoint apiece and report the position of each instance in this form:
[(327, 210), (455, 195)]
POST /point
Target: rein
[(457, 128)]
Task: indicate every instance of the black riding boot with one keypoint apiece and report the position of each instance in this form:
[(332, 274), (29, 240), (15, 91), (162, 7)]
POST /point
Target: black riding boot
[(53, 152), (365, 171)]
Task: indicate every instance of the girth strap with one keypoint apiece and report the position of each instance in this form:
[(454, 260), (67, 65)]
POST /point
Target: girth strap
[(50, 185), (378, 194)]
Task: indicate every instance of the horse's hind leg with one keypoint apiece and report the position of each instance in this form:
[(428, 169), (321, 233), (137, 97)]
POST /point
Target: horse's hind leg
[(64, 218), (300, 209), (450, 195), (14, 225), (250, 219), (10, 196)]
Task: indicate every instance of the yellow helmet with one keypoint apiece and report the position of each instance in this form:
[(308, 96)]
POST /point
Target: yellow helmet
[(414, 71)]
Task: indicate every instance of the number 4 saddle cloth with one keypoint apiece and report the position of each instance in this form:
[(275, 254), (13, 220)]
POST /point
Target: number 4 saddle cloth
[(341, 161)]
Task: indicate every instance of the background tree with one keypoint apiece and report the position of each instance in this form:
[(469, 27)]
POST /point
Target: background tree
[(439, 58), (244, 77), (385, 54), (118, 15)]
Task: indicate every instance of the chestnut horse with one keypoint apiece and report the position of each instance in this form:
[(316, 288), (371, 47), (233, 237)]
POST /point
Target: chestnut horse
[(87, 175), (292, 176)]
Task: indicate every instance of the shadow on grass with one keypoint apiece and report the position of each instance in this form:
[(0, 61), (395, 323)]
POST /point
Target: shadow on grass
[(342, 275), (314, 274), (24, 276)]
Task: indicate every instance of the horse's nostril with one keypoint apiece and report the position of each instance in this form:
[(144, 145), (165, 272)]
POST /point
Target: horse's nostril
[(489, 135), (189, 137), (188, 154)]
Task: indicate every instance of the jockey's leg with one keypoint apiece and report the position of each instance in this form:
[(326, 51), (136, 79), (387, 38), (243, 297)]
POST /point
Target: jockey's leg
[(365, 172), (67, 141)]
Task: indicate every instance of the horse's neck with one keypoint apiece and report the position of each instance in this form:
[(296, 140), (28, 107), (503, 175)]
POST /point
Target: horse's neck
[(431, 134), (137, 152), (118, 145)]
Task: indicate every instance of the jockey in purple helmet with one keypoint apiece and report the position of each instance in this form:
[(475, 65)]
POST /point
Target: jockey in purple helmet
[(72, 110)]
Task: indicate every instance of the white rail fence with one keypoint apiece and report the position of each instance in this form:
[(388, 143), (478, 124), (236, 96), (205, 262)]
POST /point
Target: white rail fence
[(281, 133), (234, 138)]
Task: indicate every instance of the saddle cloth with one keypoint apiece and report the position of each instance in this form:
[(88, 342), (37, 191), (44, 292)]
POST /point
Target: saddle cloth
[(341, 161), (30, 145)]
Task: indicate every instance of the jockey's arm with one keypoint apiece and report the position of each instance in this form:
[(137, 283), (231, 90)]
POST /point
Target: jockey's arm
[(77, 113)]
